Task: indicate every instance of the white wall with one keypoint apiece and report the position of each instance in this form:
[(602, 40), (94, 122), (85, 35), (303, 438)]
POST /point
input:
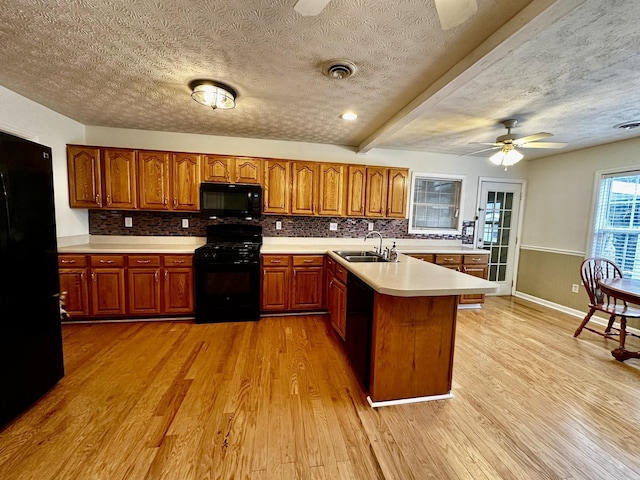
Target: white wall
[(27, 119), (560, 194), (472, 167)]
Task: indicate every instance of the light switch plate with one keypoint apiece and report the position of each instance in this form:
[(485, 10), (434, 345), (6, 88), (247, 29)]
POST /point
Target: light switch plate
[(333, 227), (370, 226), (128, 222), (468, 231), (278, 225), (185, 223)]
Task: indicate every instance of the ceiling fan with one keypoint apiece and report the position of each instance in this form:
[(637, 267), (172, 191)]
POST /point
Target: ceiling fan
[(450, 12), (508, 155)]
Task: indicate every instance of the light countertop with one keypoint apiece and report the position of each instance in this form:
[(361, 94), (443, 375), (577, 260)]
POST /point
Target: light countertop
[(410, 277)]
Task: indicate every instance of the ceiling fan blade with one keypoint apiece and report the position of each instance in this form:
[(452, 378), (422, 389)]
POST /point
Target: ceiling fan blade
[(479, 151), (310, 8), (532, 138), (455, 12), (543, 145)]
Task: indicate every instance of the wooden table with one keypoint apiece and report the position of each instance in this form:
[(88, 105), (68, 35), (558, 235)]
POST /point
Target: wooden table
[(628, 290)]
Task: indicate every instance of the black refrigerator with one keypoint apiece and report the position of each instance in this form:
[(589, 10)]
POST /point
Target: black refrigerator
[(31, 360)]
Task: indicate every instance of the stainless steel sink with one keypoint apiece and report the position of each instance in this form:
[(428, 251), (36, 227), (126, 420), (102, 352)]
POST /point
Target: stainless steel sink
[(360, 256)]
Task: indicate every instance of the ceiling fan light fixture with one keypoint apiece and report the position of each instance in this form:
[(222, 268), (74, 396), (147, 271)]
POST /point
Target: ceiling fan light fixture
[(213, 94), (506, 157)]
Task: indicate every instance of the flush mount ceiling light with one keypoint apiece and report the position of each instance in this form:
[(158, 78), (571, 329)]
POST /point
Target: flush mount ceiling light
[(507, 156), (213, 94)]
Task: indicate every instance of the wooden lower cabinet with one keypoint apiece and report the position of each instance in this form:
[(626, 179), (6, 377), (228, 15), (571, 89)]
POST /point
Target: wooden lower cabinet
[(107, 285), (471, 264), (74, 284), (337, 296), (121, 286), (292, 283)]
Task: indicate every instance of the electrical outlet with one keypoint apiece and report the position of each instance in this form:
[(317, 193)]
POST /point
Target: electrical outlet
[(185, 223), (128, 222), (575, 287), (370, 226), (278, 225), (468, 231), (333, 227)]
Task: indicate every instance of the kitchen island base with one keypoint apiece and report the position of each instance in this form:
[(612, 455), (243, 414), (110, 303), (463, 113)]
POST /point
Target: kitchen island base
[(412, 346)]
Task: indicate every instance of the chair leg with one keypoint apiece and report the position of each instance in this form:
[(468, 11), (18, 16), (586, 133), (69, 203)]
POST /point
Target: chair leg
[(610, 324), (623, 331), (584, 322)]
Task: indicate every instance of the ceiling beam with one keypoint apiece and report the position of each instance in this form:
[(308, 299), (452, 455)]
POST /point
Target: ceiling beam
[(528, 23)]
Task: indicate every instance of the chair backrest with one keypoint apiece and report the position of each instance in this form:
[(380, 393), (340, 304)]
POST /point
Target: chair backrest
[(594, 269)]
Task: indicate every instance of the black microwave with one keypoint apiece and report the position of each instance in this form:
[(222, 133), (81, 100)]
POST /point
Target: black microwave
[(231, 200)]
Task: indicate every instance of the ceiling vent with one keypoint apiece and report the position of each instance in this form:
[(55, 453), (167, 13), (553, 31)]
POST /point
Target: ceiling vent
[(339, 69), (628, 125)]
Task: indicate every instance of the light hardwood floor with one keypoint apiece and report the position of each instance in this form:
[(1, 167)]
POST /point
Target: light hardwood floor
[(275, 399)]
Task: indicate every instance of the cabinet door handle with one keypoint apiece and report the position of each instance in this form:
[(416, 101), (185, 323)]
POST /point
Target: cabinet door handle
[(67, 261), (156, 276), (143, 261), (106, 261), (308, 261), (98, 199), (175, 202), (166, 276), (93, 276), (275, 261), (178, 261), (108, 199), (82, 277)]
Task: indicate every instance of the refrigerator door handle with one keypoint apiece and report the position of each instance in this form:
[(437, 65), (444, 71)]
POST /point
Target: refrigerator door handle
[(5, 197)]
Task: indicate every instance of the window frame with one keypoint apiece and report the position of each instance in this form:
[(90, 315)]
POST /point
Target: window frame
[(600, 176), (437, 176)]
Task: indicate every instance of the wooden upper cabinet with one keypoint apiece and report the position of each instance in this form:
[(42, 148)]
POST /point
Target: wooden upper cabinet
[(277, 187), (185, 181), (376, 192), (229, 169), (153, 175), (397, 192), (248, 170), (331, 189), (119, 178), (304, 178), (217, 168), (356, 181), (83, 170)]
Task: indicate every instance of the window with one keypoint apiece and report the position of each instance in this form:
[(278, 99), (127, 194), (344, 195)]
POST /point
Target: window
[(617, 221), (435, 203)]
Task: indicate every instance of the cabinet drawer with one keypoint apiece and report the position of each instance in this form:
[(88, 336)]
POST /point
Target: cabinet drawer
[(330, 264), (341, 273), (307, 260), (427, 257), (276, 260), (143, 260), (178, 260), (72, 261), (476, 259), (107, 260), (443, 259)]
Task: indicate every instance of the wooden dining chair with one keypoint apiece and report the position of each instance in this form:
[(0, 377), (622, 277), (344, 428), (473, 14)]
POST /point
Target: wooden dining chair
[(592, 270)]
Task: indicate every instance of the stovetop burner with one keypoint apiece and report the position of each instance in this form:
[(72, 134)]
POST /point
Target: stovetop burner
[(231, 244)]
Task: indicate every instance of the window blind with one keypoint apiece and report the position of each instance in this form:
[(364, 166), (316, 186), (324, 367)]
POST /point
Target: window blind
[(617, 221)]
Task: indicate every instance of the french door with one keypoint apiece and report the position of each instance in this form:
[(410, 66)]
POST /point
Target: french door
[(497, 230)]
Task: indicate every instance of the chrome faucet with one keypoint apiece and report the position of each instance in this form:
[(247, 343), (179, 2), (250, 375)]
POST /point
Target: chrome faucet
[(375, 232)]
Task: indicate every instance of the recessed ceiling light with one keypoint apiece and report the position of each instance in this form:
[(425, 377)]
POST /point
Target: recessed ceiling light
[(349, 116)]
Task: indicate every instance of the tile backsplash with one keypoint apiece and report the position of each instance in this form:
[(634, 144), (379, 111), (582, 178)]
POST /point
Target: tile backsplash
[(111, 222)]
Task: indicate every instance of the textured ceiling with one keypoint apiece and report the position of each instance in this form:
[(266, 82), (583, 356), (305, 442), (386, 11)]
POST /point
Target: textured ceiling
[(568, 67)]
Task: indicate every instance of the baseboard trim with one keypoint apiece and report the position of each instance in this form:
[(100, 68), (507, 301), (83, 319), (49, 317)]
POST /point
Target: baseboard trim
[(569, 311), (405, 401)]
